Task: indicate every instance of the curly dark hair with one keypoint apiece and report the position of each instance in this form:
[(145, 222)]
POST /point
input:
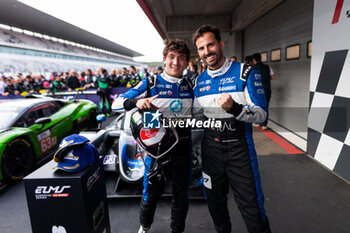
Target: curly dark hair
[(176, 45)]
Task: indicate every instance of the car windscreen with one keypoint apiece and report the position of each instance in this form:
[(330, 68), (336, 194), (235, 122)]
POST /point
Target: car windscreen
[(7, 116)]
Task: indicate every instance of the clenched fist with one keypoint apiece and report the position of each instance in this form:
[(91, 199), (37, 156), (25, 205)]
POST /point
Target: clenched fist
[(225, 101)]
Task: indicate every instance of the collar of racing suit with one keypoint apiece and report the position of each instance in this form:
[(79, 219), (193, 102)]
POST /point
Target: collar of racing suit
[(170, 79), (223, 69)]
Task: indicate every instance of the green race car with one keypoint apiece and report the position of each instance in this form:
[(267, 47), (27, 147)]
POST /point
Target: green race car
[(31, 129)]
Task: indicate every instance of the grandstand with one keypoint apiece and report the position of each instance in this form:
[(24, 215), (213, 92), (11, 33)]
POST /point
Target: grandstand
[(27, 44)]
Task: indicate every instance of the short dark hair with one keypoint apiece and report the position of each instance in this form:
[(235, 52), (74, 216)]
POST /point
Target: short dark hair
[(248, 59), (132, 67), (204, 29), (256, 57), (176, 45)]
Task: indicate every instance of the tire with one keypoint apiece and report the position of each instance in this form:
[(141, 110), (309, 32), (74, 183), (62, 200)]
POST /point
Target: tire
[(18, 159)]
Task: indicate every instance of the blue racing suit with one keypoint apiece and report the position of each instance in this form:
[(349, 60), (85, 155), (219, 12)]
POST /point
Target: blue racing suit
[(228, 152), (175, 100)]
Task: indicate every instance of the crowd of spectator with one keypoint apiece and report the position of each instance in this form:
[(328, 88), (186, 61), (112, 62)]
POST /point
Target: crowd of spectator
[(68, 81), (88, 79), (19, 84)]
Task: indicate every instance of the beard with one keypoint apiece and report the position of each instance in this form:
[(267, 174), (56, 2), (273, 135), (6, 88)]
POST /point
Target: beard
[(214, 63)]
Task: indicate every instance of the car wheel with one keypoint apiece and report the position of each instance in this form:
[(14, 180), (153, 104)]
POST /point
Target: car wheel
[(17, 160)]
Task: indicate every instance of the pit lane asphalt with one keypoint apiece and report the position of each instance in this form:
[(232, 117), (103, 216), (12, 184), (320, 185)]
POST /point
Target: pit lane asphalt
[(301, 197)]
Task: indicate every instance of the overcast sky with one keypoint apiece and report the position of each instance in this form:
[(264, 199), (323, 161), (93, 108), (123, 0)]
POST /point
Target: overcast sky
[(121, 21)]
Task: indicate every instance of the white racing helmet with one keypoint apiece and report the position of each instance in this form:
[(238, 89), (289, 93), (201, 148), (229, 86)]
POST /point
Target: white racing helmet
[(154, 141)]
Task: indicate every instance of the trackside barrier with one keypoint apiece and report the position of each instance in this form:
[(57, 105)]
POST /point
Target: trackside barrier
[(90, 94)]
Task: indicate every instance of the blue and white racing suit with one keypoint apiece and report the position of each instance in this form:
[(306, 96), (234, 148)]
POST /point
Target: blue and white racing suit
[(228, 153), (175, 99)]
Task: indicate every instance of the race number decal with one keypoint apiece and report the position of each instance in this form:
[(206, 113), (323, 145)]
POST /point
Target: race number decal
[(109, 159), (45, 141)]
